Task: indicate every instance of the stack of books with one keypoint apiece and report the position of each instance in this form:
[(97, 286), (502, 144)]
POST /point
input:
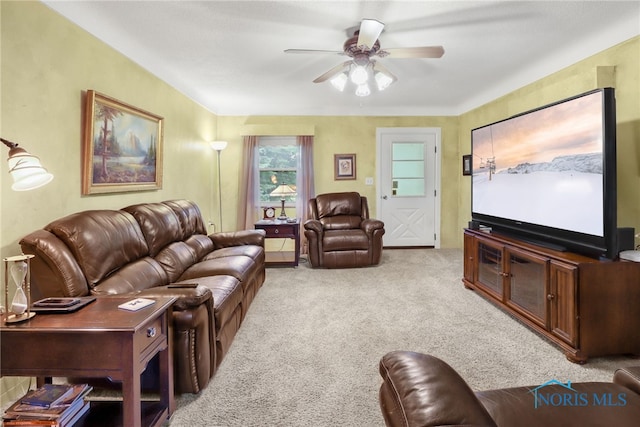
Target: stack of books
[(59, 405)]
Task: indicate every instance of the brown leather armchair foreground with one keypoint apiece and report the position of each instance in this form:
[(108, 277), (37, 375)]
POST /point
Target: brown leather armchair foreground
[(341, 234), (422, 390)]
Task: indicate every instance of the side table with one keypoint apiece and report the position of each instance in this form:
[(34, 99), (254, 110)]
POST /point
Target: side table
[(281, 229), (99, 340)]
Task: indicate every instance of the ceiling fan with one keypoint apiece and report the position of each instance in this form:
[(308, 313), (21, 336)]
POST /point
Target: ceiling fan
[(363, 45)]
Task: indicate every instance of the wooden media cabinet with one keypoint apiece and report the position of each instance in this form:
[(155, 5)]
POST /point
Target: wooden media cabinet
[(587, 307)]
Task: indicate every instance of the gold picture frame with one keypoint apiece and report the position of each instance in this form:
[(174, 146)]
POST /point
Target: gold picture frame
[(121, 148), (344, 166)]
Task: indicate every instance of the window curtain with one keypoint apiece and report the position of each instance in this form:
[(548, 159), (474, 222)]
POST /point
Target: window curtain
[(248, 199), (305, 186)]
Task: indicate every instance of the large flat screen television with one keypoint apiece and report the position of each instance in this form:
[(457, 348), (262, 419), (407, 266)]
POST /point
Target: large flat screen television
[(549, 175)]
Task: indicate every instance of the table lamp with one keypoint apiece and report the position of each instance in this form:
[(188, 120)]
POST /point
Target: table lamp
[(282, 191)]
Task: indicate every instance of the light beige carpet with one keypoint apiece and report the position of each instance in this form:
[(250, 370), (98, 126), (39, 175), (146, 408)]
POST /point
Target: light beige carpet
[(308, 351)]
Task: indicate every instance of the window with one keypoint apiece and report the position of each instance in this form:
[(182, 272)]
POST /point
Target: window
[(278, 163)]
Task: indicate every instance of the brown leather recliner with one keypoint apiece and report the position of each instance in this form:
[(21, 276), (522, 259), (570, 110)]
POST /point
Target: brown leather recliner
[(341, 234), (420, 390)]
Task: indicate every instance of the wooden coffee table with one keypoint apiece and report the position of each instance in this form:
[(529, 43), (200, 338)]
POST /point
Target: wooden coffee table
[(100, 340)]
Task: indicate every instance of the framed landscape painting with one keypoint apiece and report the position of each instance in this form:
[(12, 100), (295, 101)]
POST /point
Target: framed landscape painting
[(122, 147)]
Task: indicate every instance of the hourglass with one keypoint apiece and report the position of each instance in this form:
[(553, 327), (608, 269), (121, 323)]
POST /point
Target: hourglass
[(19, 268)]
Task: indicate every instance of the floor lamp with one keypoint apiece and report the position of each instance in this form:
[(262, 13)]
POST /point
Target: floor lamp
[(219, 146)]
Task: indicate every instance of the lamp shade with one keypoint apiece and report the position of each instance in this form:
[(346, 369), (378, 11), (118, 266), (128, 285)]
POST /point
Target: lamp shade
[(283, 190), (218, 145), (26, 170)]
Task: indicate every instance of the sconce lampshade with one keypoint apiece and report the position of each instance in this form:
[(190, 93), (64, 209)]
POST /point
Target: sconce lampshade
[(25, 169)]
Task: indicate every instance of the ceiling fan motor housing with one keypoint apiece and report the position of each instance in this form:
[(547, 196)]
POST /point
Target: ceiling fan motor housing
[(352, 49)]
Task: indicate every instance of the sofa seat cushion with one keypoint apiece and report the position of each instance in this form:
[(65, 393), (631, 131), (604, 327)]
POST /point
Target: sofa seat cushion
[(591, 404), (256, 253), (241, 267), (227, 296), (345, 240)]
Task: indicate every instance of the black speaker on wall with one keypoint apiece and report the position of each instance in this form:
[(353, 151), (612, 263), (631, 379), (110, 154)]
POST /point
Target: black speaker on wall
[(625, 239)]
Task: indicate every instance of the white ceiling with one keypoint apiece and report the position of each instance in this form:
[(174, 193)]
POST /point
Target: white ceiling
[(228, 55)]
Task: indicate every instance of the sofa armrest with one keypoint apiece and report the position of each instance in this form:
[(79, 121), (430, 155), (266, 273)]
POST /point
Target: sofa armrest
[(188, 296), (422, 390), (628, 377), (238, 238)]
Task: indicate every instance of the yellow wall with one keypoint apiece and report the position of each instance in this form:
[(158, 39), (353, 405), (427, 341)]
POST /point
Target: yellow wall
[(353, 134), (586, 75), (47, 64)]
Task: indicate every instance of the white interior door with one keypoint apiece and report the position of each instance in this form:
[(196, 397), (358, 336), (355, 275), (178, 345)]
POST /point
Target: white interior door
[(409, 186)]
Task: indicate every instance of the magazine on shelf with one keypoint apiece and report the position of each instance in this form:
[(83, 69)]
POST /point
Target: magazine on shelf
[(48, 395), (59, 414)]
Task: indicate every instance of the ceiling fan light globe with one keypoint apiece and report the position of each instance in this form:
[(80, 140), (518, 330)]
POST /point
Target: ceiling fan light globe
[(359, 75), (363, 90), (383, 81), (340, 81)]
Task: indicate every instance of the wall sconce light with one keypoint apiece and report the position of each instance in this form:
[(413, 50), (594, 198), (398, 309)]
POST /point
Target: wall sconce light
[(219, 146), (282, 191), (25, 169)]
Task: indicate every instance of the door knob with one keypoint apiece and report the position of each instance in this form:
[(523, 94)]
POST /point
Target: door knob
[(385, 197)]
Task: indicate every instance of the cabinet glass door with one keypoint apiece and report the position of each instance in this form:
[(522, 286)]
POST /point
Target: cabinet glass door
[(528, 286), (490, 271)]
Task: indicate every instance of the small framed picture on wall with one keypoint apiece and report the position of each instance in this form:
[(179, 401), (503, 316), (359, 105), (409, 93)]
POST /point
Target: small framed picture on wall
[(344, 166), (466, 164)]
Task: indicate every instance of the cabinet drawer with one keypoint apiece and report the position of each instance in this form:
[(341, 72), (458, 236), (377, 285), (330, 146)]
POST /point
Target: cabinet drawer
[(150, 335), (284, 230)]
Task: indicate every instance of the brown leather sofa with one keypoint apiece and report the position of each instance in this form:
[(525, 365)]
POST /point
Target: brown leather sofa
[(419, 390), (340, 233), (156, 249)]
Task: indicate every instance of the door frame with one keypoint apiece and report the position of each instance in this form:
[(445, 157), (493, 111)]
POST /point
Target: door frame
[(437, 160)]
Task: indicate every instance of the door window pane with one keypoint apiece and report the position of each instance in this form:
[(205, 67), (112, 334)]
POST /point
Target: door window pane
[(407, 169)]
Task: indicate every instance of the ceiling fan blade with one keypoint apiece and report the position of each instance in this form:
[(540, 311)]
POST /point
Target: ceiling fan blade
[(413, 52), (332, 72), (335, 52), (370, 30)]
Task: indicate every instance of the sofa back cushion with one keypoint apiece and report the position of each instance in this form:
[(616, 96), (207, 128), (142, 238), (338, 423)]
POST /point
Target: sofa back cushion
[(101, 241), (159, 224), (189, 216)]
